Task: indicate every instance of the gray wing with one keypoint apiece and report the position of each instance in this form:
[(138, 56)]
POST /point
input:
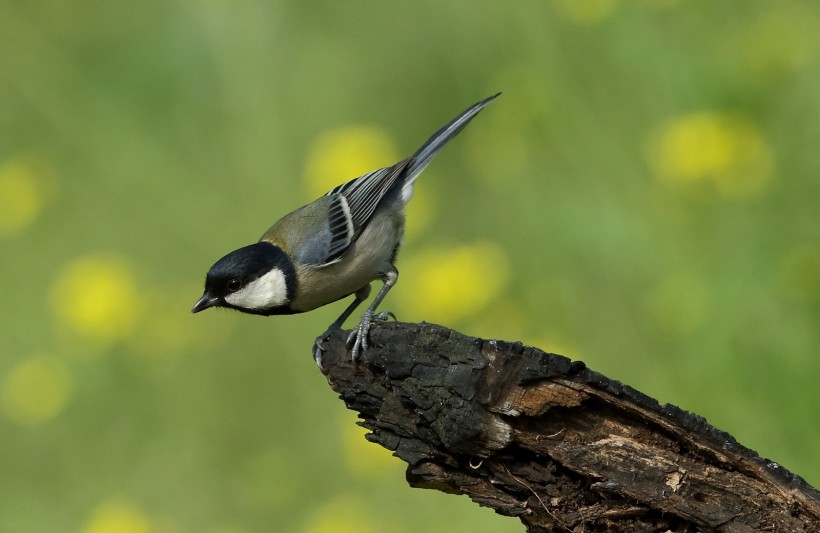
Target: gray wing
[(353, 204), (321, 232)]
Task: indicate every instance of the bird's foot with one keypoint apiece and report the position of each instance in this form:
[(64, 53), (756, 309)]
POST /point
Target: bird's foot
[(358, 337), (319, 346), (383, 316)]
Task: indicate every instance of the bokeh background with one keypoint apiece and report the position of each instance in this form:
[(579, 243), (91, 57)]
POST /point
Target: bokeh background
[(644, 197)]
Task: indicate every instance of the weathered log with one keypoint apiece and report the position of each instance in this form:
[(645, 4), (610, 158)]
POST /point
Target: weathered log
[(536, 436)]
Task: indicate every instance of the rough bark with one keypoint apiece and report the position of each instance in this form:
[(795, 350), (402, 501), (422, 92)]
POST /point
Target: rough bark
[(536, 436)]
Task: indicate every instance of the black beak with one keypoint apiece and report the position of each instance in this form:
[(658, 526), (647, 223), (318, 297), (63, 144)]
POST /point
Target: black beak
[(204, 303)]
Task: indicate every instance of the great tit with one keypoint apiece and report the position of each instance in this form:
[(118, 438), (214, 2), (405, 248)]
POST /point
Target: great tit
[(330, 248)]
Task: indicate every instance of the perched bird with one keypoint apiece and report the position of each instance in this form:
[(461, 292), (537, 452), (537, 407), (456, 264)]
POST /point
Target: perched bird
[(330, 248)]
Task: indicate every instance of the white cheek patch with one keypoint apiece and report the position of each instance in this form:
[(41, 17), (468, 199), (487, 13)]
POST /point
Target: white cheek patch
[(265, 292)]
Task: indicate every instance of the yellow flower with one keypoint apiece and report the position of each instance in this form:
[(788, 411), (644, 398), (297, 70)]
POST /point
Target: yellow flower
[(585, 12), (725, 149), (449, 284), (36, 390), (97, 297), (115, 516), (346, 153), (24, 189)]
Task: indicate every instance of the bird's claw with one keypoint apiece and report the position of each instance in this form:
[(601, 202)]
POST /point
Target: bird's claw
[(317, 352), (319, 348), (384, 315), (358, 337)]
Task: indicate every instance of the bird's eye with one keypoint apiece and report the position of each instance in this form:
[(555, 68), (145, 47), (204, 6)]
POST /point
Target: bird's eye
[(234, 285)]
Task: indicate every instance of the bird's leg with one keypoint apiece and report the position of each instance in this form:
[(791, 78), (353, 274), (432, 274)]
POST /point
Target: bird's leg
[(360, 296), (359, 335)]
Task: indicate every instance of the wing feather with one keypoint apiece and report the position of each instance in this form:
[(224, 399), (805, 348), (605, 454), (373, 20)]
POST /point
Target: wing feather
[(340, 226), (364, 194), (351, 207)]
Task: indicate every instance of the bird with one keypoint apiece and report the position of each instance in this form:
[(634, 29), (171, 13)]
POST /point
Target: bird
[(329, 249)]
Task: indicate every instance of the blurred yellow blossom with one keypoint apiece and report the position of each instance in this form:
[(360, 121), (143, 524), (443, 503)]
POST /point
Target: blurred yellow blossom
[(25, 184), (340, 155), (345, 514), (449, 284), (726, 149), (36, 390), (585, 12), (343, 154), (365, 459), (97, 297), (117, 516)]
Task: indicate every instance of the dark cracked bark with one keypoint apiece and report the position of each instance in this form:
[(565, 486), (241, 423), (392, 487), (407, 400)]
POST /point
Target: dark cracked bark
[(542, 438)]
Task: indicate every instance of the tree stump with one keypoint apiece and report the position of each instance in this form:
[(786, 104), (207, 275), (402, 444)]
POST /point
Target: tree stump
[(536, 436)]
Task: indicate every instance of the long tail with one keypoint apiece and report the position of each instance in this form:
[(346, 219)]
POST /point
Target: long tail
[(425, 154)]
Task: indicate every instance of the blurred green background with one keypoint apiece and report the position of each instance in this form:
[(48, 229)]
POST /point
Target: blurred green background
[(644, 197)]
